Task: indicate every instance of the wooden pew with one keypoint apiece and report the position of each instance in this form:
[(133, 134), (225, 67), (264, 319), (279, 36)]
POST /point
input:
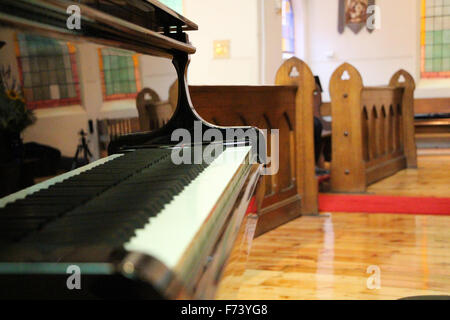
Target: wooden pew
[(430, 133), (153, 113), (372, 129), (109, 129), (432, 123), (433, 132), (288, 106)]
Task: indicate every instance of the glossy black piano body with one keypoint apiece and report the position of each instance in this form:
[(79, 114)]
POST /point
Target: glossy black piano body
[(111, 271)]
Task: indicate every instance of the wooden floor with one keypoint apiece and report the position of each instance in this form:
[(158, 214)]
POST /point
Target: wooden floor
[(431, 179), (327, 257)]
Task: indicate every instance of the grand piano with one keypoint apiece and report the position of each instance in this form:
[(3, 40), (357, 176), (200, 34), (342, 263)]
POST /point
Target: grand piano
[(135, 224)]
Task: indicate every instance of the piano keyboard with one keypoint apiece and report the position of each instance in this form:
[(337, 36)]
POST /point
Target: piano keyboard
[(32, 215), (139, 201), (167, 235)]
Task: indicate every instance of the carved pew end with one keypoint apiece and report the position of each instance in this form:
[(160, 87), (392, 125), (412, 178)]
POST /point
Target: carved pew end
[(372, 129)]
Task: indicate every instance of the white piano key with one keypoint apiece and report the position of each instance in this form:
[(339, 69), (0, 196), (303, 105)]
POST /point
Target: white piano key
[(167, 236)]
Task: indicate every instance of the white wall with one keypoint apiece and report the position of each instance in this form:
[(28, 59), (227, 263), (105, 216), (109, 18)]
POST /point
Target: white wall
[(300, 8), (158, 74), (376, 55), (271, 40), (234, 20)]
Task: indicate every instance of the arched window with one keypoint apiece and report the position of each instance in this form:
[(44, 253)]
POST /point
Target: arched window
[(288, 38), (435, 39)]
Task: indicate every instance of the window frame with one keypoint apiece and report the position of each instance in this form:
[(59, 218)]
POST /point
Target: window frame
[(120, 96), (423, 44), (52, 103)]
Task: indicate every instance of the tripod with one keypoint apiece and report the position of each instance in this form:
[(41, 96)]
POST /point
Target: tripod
[(82, 147)]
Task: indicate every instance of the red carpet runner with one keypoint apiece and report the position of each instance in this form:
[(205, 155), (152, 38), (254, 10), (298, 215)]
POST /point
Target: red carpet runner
[(384, 204)]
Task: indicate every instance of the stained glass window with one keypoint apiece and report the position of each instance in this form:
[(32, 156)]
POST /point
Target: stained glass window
[(435, 39), (120, 74), (48, 71), (288, 39)]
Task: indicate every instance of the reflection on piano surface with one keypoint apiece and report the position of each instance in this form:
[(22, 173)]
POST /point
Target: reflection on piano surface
[(135, 223)]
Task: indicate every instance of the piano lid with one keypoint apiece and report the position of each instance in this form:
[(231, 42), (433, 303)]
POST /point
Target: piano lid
[(150, 14), (144, 26)]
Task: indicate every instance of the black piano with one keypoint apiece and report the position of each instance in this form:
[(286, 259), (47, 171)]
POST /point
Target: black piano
[(140, 223)]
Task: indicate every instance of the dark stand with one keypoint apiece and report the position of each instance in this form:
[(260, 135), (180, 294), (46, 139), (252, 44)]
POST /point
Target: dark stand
[(82, 147)]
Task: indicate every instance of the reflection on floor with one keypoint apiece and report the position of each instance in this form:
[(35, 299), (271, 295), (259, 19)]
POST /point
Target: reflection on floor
[(328, 257)]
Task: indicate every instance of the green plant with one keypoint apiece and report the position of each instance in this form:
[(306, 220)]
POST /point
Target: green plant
[(14, 115)]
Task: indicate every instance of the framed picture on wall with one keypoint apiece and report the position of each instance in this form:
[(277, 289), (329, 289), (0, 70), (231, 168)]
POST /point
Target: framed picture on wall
[(355, 14)]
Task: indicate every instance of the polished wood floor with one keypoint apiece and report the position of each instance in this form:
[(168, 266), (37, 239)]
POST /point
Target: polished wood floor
[(431, 179), (327, 257)]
